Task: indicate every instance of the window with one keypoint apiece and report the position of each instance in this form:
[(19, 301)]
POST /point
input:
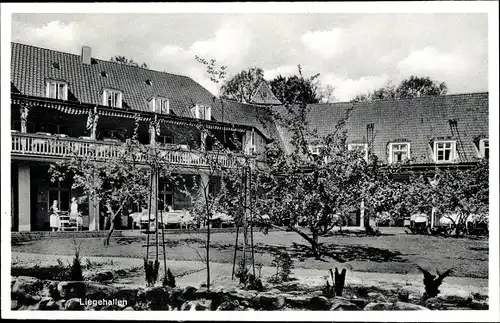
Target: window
[(315, 150), (161, 105), (57, 90), (399, 152), (362, 148), (444, 151), (165, 140), (166, 197), (484, 148), (202, 112), (112, 98)]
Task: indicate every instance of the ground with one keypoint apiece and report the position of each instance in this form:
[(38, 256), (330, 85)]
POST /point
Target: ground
[(394, 252)]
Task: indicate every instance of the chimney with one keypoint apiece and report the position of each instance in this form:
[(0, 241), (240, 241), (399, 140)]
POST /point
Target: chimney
[(86, 55)]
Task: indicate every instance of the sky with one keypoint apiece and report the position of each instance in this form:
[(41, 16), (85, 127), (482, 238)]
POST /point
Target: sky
[(354, 53)]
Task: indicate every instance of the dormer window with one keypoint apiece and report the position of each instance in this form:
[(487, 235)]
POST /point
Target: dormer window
[(57, 90), (315, 150), (361, 148), (160, 105), (201, 112), (112, 98), (399, 151), (484, 148), (445, 151)]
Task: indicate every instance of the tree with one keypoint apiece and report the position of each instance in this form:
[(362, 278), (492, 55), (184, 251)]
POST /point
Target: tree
[(115, 182), (123, 60), (415, 87), (411, 87), (306, 187), (243, 86), (296, 89)]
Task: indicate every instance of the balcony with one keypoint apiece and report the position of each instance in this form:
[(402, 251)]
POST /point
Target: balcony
[(28, 145)]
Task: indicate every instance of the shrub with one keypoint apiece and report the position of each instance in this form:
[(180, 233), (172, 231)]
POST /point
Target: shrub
[(169, 279), (284, 265), (151, 271), (76, 268), (242, 273)]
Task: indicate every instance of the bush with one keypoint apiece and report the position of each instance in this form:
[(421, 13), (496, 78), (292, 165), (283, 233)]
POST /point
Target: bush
[(76, 268), (284, 265), (169, 279)]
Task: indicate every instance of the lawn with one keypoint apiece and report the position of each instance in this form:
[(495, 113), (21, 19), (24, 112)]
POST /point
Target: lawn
[(394, 252)]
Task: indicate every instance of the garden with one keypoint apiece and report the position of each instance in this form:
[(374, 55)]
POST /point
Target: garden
[(296, 258)]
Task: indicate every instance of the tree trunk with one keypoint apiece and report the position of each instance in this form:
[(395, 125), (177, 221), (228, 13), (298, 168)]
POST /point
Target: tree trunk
[(314, 241), (110, 232)]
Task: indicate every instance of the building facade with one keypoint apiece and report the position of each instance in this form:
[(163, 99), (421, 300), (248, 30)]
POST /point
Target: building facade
[(62, 103)]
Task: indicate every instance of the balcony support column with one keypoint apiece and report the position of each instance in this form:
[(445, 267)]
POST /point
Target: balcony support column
[(92, 123), (24, 198), (24, 118), (93, 213)]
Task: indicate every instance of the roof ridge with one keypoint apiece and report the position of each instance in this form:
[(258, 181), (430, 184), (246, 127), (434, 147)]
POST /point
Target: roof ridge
[(99, 59), (403, 99)]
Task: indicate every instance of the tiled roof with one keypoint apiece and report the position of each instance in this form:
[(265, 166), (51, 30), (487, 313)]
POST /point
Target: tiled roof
[(31, 66), (417, 121), (264, 95)]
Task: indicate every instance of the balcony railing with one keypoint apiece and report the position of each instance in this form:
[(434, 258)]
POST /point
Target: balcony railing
[(37, 145)]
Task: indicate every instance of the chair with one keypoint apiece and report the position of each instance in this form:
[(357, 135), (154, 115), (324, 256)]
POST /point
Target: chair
[(66, 223)]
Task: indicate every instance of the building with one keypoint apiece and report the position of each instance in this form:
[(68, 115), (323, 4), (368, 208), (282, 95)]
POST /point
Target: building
[(60, 101)]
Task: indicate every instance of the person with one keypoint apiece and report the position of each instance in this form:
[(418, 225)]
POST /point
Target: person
[(74, 214), (54, 216)]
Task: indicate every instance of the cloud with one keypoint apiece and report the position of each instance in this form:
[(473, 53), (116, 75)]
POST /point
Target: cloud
[(54, 34), (229, 45), (286, 70), (346, 88), (430, 60), (325, 43)]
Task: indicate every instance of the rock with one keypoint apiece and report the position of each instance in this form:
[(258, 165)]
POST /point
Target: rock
[(478, 305), (52, 306), (403, 295), (43, 302), (243, 295), (128, 294), (376, 296), (99, 291), (202, 292), (359, 302), (343, 304), (198, 305), (189, 293), (129, 308), (101, 276), (297, 300), (269, 301), (14, 305), (30, 299), (25, 285), (50, 289), (434, 303), (402, 306), (458, 300), (315, 293), (378, 306), (228, 306), (158, 297), (72, 289), (176, 297), (73, 304), (319, 303)]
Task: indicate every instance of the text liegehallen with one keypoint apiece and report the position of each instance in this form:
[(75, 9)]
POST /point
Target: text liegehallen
[(103, 302)]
